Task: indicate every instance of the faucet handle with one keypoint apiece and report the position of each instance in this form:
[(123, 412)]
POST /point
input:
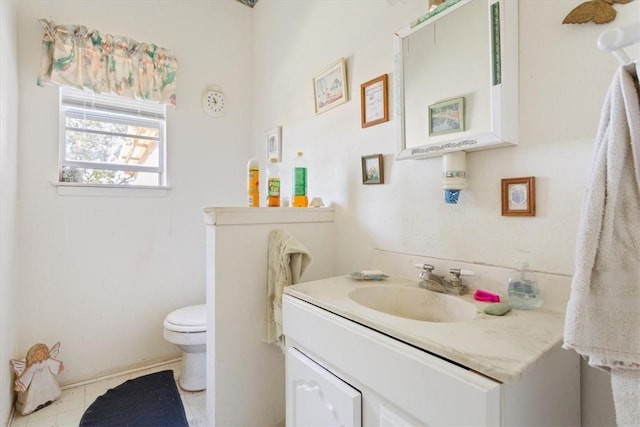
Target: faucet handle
[(426, 267), (427, 270), (456, 280), (456, 272)]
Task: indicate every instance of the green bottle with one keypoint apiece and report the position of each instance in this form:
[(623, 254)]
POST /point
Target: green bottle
[(300, 199)]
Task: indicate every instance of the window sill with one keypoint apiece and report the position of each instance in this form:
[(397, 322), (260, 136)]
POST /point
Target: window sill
[(94, 190)]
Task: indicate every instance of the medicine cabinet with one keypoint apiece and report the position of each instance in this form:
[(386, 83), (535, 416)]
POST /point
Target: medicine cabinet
[(456, 79)]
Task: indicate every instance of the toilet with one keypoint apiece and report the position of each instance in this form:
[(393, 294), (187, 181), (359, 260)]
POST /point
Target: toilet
[(187, 329)]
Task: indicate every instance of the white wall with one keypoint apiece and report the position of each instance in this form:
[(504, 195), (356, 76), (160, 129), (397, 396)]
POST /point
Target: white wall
[(563, 79), (245, 376), (8, 201), (100, 273)]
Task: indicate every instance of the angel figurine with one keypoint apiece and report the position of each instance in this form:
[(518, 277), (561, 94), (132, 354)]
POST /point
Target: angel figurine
[(36, 385)]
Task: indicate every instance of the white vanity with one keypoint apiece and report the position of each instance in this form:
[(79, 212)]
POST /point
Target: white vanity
[(351, 365)]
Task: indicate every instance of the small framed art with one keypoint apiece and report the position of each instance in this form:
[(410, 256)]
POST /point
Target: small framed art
[(374, 100), (372, 169), (274, 143), (519, 196), (330, 87), (446, 117)]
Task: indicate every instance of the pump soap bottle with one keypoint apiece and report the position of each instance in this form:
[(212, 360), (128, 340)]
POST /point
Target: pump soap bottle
[(523, 290)]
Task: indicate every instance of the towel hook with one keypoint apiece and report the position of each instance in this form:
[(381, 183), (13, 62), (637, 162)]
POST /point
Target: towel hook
[(615, 40)]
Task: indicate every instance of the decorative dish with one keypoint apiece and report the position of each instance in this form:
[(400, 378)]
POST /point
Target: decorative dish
[(368, 275)]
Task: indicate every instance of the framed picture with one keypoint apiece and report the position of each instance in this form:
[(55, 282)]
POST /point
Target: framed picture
[(330, 87), (374, 97), (372, 169), (446, 117), (274, 143), (519, 196)]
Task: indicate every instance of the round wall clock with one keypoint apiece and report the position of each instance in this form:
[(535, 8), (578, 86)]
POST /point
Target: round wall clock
[(213, 102)]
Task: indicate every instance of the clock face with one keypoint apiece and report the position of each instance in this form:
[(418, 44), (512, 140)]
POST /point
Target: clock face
[(213, 103)]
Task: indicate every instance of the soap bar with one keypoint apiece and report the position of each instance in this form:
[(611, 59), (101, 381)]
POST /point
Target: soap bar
[(371, 273), (498, 309)]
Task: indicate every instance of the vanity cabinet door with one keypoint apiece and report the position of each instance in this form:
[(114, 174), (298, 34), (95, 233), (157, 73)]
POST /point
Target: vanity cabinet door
[(316, 397)]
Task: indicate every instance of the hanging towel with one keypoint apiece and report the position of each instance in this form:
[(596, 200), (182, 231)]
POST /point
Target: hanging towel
[(625, 384), (288, 259), (603, 313)]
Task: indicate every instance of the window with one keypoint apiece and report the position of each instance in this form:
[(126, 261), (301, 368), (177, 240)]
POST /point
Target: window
[(111, 140)]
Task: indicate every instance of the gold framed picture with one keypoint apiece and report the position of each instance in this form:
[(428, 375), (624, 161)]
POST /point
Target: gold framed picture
[(519, 196), (330, 86), (374, 99)]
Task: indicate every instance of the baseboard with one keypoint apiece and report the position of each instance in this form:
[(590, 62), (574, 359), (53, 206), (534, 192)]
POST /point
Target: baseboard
[(117, 374)]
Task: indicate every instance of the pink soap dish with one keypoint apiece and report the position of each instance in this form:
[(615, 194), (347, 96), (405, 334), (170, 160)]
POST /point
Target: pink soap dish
[(486, 296)]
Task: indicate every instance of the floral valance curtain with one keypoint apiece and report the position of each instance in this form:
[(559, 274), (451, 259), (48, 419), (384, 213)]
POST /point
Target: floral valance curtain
[(73, 55)]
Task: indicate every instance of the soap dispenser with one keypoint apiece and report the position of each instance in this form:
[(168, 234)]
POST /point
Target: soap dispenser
[(523, 290), (454, 175)]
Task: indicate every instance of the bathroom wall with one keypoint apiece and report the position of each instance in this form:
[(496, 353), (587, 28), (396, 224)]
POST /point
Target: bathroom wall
[(90, 267), (8, 201), (563, 80), (99, 273)]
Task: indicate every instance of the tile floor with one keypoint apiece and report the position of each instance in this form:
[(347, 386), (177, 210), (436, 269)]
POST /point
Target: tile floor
[(67, 411)]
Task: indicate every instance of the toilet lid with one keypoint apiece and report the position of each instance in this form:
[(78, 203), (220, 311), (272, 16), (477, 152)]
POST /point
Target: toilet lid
[(188, 319)]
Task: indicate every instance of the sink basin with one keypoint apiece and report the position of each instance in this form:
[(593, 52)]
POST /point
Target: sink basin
[(414, 303)]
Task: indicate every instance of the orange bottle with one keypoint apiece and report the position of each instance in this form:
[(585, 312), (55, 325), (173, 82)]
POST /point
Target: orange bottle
[(253, 182)]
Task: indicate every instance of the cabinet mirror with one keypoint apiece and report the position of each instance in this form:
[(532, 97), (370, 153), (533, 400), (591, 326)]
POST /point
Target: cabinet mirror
[(456, 79)]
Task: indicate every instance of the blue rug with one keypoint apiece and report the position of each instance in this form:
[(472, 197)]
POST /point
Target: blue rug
[(151, 400)]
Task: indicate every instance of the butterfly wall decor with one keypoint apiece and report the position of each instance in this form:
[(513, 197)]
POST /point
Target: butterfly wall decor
[(598, 11)]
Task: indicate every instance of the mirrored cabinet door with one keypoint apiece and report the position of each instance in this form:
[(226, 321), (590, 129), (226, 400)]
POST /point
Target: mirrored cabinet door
[(456, 79)]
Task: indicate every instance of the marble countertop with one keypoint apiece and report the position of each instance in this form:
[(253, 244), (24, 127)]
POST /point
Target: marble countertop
[(500, 347)]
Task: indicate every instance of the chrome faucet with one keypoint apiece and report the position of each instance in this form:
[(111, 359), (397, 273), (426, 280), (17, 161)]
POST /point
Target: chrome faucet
[(431, 281)]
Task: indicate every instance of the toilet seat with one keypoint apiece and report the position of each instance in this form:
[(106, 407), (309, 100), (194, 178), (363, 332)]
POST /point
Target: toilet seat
[(187, 319)]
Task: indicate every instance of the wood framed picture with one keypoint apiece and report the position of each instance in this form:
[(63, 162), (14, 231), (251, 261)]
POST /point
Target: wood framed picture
[(374, 98), (274, 143), (372, 169), (446, 117), (519, 196), (330, 86)]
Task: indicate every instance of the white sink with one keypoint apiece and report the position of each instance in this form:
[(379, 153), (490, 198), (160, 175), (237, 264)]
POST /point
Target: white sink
[(414, 303)]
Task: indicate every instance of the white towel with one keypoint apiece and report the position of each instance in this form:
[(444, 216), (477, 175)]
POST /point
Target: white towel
[(288, 260), (625, 384), (603, 313)]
